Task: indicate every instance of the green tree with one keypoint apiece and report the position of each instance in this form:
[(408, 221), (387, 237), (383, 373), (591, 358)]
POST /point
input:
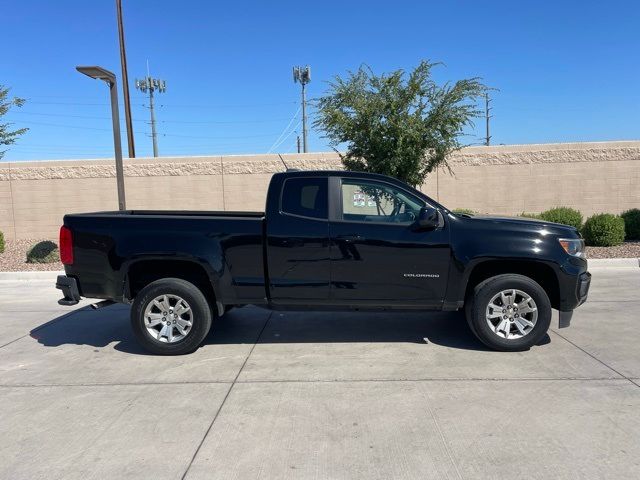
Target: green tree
[(397, 124), (7, 135)]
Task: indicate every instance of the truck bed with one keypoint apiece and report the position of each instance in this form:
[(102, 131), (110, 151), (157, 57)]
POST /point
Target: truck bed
[(227, 246)]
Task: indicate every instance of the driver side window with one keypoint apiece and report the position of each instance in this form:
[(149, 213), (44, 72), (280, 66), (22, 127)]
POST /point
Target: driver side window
[(364, 201)]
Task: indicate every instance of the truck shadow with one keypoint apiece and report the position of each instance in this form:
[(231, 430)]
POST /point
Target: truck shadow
[(110, 325)]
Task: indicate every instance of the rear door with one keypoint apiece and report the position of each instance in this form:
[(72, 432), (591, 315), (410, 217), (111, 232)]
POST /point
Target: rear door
[(298, 240), (377, 255)]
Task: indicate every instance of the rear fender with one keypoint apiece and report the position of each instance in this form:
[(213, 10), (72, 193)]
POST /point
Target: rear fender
[(154, 267)]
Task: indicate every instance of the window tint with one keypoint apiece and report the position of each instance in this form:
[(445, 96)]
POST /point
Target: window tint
[(377, 202), (305, 196)]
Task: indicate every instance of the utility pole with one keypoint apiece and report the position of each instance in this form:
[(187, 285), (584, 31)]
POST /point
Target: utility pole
[(487, 140), (487, 114), (302, 75), (125, 82), (151, 85), (298, 142)]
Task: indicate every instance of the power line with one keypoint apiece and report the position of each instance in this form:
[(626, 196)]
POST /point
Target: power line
[(62, 152), (284, 131), (29, 102), (39, 153), (247, 105), (58, 148), (57, 145), (199, 122), (66, 116), (68, 126), (288, 135), (87, 152), (216, 122), (184, 149), (151, 133), (214, 138)]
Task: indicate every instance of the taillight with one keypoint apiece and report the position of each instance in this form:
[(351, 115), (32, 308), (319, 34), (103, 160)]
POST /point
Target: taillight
[(66, 246)]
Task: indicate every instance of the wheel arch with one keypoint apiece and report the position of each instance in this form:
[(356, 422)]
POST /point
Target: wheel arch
[(141, 272), (540, 272)]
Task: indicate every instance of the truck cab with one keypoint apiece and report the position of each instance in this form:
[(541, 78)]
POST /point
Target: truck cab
[(354, 240)]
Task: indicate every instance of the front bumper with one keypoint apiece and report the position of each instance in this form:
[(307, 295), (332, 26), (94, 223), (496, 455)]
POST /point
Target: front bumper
[(584, 282), (582, 291), (69, 287)]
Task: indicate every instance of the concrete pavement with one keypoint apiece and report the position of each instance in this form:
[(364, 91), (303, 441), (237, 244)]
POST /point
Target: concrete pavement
[(316, 395)]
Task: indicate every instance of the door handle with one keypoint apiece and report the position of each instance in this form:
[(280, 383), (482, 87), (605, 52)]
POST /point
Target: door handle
[(350, 238)]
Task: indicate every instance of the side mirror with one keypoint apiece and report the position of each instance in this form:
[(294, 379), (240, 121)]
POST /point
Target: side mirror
[(428, 219)]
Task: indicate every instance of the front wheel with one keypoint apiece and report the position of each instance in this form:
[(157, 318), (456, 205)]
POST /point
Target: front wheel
[(509, 312), (170, 317)]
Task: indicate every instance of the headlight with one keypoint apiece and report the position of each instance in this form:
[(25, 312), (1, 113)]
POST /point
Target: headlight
[(573, 246)]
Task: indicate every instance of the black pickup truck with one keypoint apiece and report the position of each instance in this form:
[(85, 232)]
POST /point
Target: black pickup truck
[(328, 240)]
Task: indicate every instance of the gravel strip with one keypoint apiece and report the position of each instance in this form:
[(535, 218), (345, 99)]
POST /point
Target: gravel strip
[(626, 250), (14, 257)]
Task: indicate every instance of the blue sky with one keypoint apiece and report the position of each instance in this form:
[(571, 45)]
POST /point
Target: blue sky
[(566, 70)]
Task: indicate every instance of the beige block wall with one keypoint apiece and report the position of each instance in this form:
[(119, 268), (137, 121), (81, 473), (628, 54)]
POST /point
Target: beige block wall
[(6, 210), (189, 192), (246, 192), (511, 189), (510, 179), (39, 205)]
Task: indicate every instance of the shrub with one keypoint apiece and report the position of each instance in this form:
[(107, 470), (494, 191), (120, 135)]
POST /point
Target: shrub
[(564, 215), (1, 242), (632, 223), (603, 230), (535, 216), (43, 252), (464, 211)]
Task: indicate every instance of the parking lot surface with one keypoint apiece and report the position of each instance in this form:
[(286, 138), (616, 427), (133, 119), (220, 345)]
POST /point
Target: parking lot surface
[(275, 395)]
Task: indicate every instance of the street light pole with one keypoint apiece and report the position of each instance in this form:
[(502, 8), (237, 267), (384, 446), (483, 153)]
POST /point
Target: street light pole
[(117, 145), (125, 82), (109, 78)]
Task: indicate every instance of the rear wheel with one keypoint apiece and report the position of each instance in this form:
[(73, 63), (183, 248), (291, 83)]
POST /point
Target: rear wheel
[(509, 312), (170, 317)]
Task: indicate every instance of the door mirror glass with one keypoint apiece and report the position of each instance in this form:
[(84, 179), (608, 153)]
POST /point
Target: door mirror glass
[(428, 218)]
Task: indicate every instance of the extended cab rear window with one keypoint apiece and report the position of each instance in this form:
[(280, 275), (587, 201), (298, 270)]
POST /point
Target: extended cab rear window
[(306, 197)]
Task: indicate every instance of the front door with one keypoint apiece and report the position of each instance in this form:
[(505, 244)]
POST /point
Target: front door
[(377, 255)]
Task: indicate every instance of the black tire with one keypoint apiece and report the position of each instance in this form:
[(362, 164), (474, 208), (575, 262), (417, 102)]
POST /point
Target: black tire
[(200, 318), (476, 312)]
